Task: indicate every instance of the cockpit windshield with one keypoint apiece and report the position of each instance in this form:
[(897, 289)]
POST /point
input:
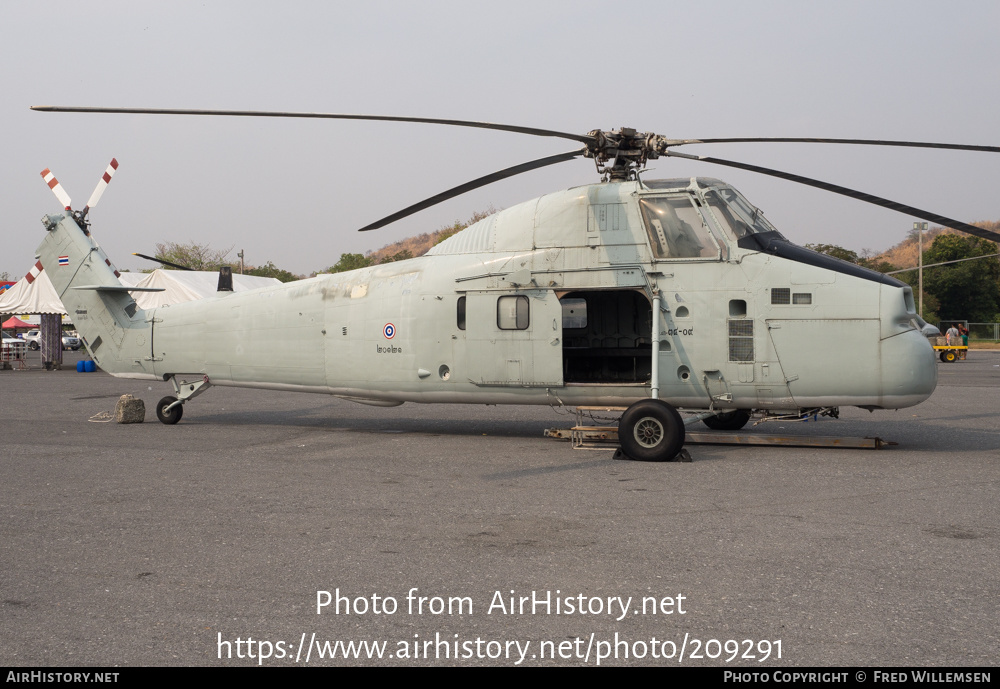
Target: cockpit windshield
[(737, 216)]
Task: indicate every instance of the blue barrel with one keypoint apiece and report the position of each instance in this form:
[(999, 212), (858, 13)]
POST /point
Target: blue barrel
[(89, 366), (80, 367)]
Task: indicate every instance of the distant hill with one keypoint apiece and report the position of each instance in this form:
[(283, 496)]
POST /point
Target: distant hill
[(422, 243), (417, 246), (904, 254)]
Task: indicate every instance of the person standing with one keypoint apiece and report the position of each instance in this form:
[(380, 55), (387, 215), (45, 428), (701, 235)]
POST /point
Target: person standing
[(964, 334), (951, 337)]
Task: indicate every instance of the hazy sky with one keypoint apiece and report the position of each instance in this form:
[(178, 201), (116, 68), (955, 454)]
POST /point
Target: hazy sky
[(295, 191)]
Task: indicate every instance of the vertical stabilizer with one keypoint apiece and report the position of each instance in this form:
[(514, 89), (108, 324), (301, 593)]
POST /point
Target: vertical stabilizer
[(114, 329)]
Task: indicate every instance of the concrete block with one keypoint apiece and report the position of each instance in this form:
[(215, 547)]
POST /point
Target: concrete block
[(130, 410)]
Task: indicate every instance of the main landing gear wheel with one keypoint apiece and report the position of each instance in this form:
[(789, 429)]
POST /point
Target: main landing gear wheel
[(169, 417), (728, 421), (651, 431)]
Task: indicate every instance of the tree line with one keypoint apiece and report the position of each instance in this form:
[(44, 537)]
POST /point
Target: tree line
[(967, 291)]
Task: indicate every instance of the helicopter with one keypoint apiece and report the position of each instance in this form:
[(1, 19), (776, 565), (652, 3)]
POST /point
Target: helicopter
[(650, 295)]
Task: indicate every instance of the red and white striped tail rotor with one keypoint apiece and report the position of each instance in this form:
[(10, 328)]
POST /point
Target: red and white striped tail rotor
[(34, 272), (102, 185), (56, 188)]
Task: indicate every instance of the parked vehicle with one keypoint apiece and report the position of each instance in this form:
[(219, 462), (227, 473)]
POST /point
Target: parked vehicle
[(11, 349), (33, 338)]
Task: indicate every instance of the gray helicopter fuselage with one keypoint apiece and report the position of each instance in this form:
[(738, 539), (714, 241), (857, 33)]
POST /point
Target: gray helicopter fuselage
[(602, 294)]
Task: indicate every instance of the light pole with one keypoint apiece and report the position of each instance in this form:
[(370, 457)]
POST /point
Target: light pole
[(920, 227)]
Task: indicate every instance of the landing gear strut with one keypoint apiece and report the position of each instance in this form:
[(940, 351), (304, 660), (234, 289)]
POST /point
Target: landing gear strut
[(169, 410)]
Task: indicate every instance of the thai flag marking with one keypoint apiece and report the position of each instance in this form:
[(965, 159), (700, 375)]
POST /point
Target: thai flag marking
[(64, 260)]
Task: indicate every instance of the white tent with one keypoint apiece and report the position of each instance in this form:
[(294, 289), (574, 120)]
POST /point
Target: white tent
[(36, 295), (186, 285)]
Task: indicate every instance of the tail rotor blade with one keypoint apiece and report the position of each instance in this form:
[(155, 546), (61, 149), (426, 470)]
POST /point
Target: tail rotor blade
[(56, 188), (102, 185)]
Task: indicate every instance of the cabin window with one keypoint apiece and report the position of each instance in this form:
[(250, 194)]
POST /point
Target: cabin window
[(676, 229), (461, 313), (574, 313), (512, 313)]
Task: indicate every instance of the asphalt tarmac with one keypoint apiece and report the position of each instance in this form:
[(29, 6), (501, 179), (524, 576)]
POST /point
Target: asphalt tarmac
[(143, 544)]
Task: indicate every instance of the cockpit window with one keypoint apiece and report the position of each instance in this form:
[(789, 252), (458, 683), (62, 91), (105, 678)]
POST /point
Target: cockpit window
[(676, 228), (735, 214)]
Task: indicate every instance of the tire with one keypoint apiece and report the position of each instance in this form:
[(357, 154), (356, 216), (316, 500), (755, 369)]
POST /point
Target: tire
[(651, 431), (33, 346), (728, 421), (169, 417), (948, 356)]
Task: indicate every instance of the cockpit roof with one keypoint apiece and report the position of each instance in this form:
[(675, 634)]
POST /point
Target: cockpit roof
[(683, 183)]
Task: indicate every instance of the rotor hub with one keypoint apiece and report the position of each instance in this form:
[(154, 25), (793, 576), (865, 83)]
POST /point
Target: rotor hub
[(620, 153)]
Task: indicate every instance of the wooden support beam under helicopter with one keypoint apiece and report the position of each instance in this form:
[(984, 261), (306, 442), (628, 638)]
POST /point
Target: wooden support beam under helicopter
[(603, 437)]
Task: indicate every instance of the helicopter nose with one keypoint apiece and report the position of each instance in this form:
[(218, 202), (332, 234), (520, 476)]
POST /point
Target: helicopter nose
[(909, 370)]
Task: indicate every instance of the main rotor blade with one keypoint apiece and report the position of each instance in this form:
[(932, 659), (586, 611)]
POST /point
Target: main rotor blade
[(474, 184), (582, 138), (160, 260), (854, 194), (862, 142)]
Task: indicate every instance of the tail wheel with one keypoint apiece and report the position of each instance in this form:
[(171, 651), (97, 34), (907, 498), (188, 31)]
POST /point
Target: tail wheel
[(169, 417), (651, 431), (728, 421)]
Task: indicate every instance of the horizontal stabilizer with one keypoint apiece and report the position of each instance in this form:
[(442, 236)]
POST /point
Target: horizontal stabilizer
[(120, 288)]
